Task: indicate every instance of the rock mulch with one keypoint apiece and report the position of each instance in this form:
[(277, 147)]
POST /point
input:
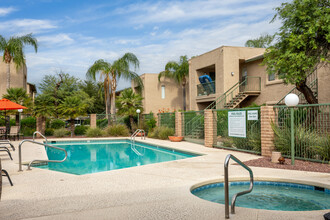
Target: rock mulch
[(299, 165)]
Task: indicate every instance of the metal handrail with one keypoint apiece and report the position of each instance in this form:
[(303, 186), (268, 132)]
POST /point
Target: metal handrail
[(233, 201), (133, 140), (37, 132), (46, 145)]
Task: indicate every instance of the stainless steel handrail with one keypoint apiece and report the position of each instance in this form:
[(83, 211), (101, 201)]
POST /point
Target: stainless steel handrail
[(233, 201), (35, 142), (133, 140), (37, 132)]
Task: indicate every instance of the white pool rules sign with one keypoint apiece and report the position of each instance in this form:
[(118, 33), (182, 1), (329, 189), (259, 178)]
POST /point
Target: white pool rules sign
[(237, 124)]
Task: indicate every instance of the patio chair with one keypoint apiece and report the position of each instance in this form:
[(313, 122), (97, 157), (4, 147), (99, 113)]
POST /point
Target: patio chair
[(7, 142), (14, 132), (3, 148), (5, 173)]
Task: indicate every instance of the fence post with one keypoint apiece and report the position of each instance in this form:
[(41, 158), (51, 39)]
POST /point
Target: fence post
[(209, 128), (178, 124), (267, 116), (93, 120)]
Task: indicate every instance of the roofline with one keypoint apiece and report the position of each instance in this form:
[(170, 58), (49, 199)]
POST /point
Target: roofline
[(259, 57)]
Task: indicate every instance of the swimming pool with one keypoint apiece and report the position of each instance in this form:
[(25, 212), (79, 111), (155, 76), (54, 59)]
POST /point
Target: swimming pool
[(103, 155), (269, 195)]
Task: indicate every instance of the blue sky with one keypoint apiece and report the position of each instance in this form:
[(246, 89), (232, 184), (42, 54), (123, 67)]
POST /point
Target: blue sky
[(72, 34)]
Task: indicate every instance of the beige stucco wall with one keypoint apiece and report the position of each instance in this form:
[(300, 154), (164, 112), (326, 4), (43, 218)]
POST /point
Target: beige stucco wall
[(323, 84), (17, 77), (226, 60), (151, 93), (271, 91)]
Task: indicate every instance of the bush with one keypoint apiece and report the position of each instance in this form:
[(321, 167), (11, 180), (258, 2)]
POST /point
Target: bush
[(12, 122), (87, 122), (28, 131), (94, 132), (57, 123), (29, 122), (80, 130), (61, 132), (117, 130), (49, 132), (162, 133), (102, 123)]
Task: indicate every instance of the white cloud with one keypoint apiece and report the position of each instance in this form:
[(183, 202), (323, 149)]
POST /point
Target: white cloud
[(27, 25), (58, 39), (6, 11)]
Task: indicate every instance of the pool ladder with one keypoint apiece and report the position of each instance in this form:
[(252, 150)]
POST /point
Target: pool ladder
[(138, 131), (39, 143), (233, 200)]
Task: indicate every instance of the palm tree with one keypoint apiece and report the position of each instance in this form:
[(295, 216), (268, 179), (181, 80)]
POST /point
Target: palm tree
[(19, 96), (179, 72), (74, 106), (13, 51), (127, 103), (111, 73), (43, 107)]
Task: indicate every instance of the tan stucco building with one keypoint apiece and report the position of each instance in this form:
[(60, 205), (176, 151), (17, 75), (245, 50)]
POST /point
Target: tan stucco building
[(239, 79), (165, 94), (18, 79)]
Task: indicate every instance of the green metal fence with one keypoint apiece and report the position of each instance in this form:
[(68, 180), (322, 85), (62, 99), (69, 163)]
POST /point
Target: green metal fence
[(193, 126), (250, 137), (103, 120), (310, 127), (167, 119)]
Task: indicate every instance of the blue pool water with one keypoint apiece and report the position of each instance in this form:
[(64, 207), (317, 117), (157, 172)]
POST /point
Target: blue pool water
[(97, 156), (269, 195)]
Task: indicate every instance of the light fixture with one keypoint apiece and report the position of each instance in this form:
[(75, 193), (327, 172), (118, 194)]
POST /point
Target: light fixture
[(232, 73), (138, 111), (291, 100), (20, 110)]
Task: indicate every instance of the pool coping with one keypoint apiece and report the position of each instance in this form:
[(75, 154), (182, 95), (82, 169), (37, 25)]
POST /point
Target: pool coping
[(160, 190)]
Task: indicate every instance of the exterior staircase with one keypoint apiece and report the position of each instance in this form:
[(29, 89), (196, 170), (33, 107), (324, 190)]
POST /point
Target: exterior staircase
[(251, 86)]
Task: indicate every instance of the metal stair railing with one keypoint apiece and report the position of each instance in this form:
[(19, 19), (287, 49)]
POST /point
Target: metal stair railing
[(39, 143), (312, 82), (142, 132), (233, 201), (37, 132)]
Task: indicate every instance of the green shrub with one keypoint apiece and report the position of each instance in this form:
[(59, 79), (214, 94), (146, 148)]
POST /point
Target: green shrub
[(150, 124), (49, 132), (94, 132), (61, 132), (27, 131), (86, 122), (162, 133), (80, 130), (57, 123), (117, 130), (29, 122), (12, 122)]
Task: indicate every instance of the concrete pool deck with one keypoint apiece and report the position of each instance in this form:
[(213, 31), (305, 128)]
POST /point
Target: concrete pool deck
[(155, 191)]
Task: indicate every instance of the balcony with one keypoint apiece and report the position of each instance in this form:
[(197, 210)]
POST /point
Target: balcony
[(205, 89)]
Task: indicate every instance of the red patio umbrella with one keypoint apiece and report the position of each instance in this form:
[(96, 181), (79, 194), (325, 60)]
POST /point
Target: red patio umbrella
[(6, 104)]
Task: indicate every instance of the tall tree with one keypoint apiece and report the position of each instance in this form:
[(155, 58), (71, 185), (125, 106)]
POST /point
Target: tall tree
[(43, 108), (13, 51), (96, 92), (179, 71), (128, 102), (303, 43), (74, 106), (111, 73), (263, 41), (58, 87)]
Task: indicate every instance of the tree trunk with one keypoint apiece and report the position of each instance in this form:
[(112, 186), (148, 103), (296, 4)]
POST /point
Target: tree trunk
[(307, 92), (107, 105), (8, 75), (72, 126), (131, 121), (184, 96), (113, 101), (41, 125)]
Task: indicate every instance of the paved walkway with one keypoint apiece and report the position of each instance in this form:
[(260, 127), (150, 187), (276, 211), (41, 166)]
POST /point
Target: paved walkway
[(155, 191)]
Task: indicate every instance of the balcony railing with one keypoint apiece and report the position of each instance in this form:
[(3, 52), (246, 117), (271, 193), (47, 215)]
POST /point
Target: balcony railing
[(205, 88)]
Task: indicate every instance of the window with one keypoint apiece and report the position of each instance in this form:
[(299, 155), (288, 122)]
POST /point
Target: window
[(271, 77), (163, 92)]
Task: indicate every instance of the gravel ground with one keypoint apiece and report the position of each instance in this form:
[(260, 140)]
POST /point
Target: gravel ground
[(299, 165)]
